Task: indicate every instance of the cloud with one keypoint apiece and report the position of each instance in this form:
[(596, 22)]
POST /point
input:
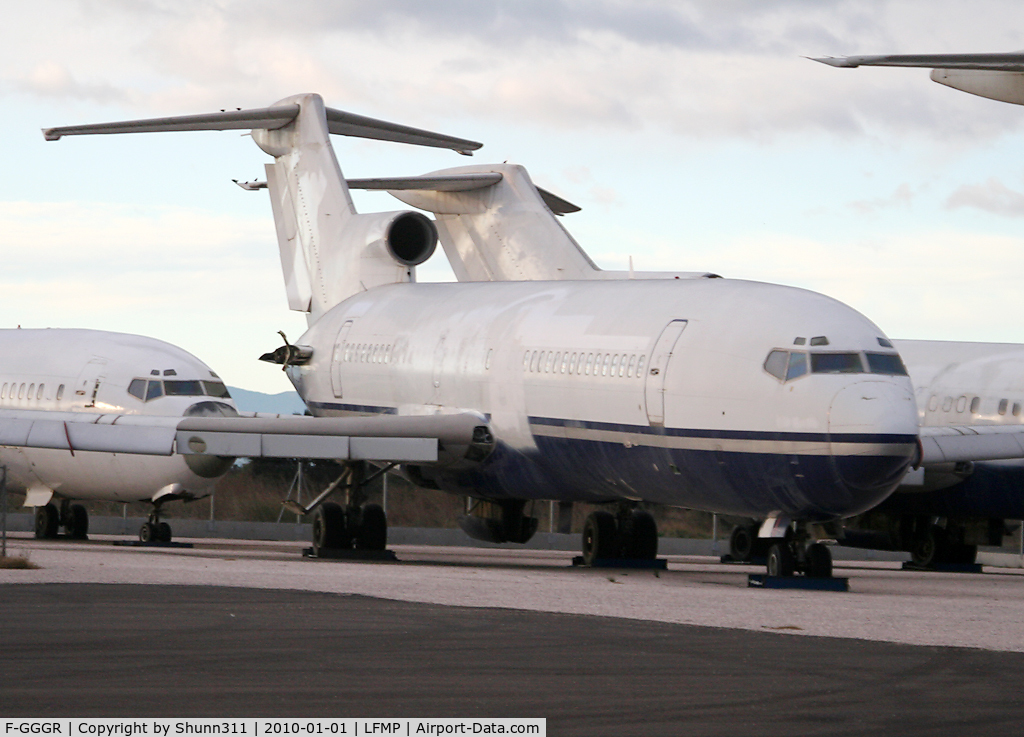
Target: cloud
[(993, 196), (692, 68), (902, 196)]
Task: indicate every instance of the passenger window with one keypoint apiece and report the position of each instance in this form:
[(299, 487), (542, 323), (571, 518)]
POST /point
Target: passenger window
[(1016, 409), (558, 361), (487, 361), (615, 364), (933, 403), (974, 405), (3, 392), (572, 364), (640, 366), (549, 363), (590, 362), (632, 363), (797, 366), (138, 389), (1002, 406), (533, 361), (565, 362), (39, 394), (776, 363), (961, 404), (21, 391), (31, 391), (60, 392), (155, 390), (947, 404)]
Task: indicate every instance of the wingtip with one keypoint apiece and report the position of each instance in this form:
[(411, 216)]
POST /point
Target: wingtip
[(841, 62)]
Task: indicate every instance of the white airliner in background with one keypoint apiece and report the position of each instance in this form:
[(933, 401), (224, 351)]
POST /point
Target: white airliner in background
[(730, 396), (942, 512), (90, 415)]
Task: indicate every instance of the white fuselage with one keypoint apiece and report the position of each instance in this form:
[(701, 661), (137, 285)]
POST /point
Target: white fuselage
[(111, 376), (681, 410)]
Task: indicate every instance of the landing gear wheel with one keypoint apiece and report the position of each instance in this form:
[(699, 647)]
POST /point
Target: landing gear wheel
[(741, 544), (927, 548), (641, 542), (163, 532), (373, 529), (781, 561), (599, 537), (819, 561), (77, 524), (47, 522), (329, 527), (148, 533)]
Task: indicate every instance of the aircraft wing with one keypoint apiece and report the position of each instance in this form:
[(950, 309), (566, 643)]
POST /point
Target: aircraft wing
[(971, 443), (1009, 62), (433, 439)]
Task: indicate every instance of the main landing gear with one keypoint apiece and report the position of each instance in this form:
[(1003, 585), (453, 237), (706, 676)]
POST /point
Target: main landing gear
[(74, 518), (794, 552), (630, 534), (352, 526)]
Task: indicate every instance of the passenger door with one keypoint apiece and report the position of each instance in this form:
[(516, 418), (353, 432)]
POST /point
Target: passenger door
[(339, 357), (657, 369)]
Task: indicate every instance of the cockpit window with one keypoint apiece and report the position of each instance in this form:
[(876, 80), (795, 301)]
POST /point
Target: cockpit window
[(797, 365), (138, 389), (216, 389), (183, 388), (775, 364), (836, 363), (886, 363), (154, 389), (789, 365)]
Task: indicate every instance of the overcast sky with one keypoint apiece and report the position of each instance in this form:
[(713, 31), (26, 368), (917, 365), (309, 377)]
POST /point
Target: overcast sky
[(694, 135)]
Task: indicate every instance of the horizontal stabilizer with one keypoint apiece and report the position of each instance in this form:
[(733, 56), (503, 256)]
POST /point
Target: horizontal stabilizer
[(338, 121), (448, 183), (1008, 62)]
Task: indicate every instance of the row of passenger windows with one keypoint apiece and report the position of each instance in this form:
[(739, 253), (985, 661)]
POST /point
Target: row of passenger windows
[(152, 389), (586, 364), (15, 390), (367, 353), (961, 405), (789, 365)]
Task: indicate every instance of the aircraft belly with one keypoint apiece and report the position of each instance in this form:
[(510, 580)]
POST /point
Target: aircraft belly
[(110, 476)]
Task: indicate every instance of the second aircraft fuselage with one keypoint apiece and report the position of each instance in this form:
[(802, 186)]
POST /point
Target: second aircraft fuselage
[(730, 396)]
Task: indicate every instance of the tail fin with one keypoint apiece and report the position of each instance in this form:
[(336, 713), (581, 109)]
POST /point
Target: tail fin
[(328, 251)]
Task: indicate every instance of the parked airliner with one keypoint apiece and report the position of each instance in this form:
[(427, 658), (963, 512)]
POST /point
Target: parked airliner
[(77, 415), (731, 396)]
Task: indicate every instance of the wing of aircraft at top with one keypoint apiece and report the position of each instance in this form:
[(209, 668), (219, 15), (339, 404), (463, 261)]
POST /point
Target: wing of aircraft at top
[(995, 76), (736, 397)]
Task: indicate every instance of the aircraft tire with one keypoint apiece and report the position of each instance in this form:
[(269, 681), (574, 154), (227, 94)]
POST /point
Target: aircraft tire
[(927, 549), (329, 527), (781, 561), (819, 561), (163, 532), (741, 544), (642, 541), (77, 525), (47, 521), (599, 537), (373, 529), (148, 533)]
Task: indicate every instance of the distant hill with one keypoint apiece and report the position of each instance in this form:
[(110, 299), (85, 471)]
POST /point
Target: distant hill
[(285, 403)]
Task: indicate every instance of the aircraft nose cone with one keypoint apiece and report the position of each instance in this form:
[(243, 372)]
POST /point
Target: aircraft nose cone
[(873, 439)]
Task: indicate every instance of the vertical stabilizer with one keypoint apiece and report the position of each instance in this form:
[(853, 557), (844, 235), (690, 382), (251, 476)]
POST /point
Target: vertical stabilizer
[(328, 251)]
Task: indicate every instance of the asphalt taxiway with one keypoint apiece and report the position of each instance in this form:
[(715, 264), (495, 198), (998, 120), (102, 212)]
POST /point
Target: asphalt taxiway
[(229, 628)]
